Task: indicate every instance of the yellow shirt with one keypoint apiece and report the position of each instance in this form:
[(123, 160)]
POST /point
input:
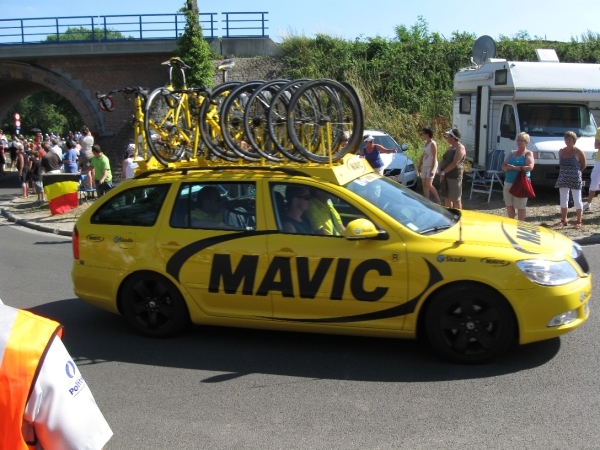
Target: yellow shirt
[(198, 214), (324, 216)]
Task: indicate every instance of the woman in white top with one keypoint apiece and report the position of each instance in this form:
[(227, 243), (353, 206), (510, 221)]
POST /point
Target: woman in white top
[(86, 141), (129, 165), (428, 164)]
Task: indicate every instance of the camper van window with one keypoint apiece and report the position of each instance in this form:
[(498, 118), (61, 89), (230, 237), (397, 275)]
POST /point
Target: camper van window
[(501, 77), (465, 104), (508, 125), (547, 119)]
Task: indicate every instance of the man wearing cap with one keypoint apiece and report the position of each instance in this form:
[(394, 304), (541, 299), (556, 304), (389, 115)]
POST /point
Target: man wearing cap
[(451, 170), (372, 153)]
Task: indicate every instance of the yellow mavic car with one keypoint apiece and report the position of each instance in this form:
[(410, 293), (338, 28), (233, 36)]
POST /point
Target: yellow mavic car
[(327, 249)]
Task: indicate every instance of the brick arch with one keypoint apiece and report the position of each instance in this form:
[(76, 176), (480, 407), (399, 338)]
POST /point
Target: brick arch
[(19, 80)]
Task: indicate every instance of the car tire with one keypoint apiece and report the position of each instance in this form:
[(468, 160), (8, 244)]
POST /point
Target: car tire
[(470, 324), (153, 305)]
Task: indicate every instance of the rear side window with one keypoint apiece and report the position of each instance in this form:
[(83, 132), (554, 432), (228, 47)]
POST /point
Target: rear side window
[(215, 206), (138, 207)]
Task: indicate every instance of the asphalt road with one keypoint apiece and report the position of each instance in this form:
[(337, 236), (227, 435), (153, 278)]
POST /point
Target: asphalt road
[(224, 388)]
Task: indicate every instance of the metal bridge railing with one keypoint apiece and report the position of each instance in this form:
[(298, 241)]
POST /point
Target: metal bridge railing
[(79, 29)]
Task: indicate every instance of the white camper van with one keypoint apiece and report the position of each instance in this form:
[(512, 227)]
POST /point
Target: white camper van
[(496, 99)]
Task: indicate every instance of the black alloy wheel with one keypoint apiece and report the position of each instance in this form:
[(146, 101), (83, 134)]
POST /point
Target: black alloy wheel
[(470, 324), (153, 305)]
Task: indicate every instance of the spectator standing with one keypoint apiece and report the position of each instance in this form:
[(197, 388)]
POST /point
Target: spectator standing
[(56, 148), (519, 160), (129, 164), (39, 376), (595, 178), (86, 140), (102, 172), (428, 164), (572, 162), (50, 162), (36, 175), (13, 152), (372, 153), (43, 149), (22, 168), (2, 157), (85, 167), (70, 158), (451, 170)]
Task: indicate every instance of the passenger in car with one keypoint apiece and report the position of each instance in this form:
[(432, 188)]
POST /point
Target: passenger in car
[(207, 209), (322, 215), (298, 202)]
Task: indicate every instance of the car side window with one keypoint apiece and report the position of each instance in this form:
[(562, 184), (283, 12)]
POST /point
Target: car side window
[(213, 206), (138, 207), (301, 209)]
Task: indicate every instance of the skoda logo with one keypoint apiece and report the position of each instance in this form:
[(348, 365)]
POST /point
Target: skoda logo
[(116, 239), (441, 258), (70, 369)]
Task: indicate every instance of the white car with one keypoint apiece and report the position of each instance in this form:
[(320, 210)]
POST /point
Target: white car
[(398, 166)]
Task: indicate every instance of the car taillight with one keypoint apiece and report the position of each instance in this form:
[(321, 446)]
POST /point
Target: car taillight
[(75, 243)]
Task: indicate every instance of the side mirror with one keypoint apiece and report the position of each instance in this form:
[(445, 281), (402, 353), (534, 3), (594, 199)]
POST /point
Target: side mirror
[(404, 147), (361, 229)]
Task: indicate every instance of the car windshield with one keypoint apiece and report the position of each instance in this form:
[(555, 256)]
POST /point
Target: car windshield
[(405, 206), (555, 119)]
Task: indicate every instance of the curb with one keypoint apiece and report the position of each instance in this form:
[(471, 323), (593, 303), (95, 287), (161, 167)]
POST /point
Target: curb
[(34, 226)]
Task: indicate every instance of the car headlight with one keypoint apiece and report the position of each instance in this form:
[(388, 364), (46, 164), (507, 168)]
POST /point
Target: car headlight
[(544, 155), (410, 168), (548, 273)]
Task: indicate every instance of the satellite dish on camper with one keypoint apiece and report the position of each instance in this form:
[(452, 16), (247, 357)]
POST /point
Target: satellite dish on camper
[(484, 48)]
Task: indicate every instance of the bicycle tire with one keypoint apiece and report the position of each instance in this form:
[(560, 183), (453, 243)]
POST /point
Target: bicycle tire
[(276, 120), (356, 143), (256, 120), (210, 129), (319, 114), (163, 115), (232, 120)]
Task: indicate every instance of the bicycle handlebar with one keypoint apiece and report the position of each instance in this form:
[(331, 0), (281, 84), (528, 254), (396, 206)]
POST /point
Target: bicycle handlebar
[(138, 90), (176, 62)]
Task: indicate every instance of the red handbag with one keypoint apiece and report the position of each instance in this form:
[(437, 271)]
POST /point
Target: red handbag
[(522, 187)]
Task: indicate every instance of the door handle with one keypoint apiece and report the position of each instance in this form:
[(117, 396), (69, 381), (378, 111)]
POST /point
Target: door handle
[(285, 253), (171, 246)]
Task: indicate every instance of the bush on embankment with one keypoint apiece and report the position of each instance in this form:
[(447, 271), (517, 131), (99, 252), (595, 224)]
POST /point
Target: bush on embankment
[(406, 82)]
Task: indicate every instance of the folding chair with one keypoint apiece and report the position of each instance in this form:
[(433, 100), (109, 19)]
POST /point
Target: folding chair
[(85, 192), (482, 181)]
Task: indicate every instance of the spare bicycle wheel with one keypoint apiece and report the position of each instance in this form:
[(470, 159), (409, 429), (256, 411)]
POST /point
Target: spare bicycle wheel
[(324, 121), (209, 117), (256, 120), (232, 121), (277, 120)]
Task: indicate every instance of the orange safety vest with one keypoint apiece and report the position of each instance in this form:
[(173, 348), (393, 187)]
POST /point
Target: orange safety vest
[(24, 341)]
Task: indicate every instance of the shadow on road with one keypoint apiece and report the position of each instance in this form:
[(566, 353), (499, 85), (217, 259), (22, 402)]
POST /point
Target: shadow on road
[(93, 336)]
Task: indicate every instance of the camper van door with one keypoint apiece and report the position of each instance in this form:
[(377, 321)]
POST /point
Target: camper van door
[(507, 129)]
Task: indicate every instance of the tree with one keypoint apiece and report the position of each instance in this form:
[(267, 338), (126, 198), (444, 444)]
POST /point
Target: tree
[(193, 49), (85, 34), (46, 110)]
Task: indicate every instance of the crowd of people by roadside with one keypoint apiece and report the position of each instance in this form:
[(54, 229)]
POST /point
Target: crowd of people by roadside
[(51, 154), (451, 167)]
